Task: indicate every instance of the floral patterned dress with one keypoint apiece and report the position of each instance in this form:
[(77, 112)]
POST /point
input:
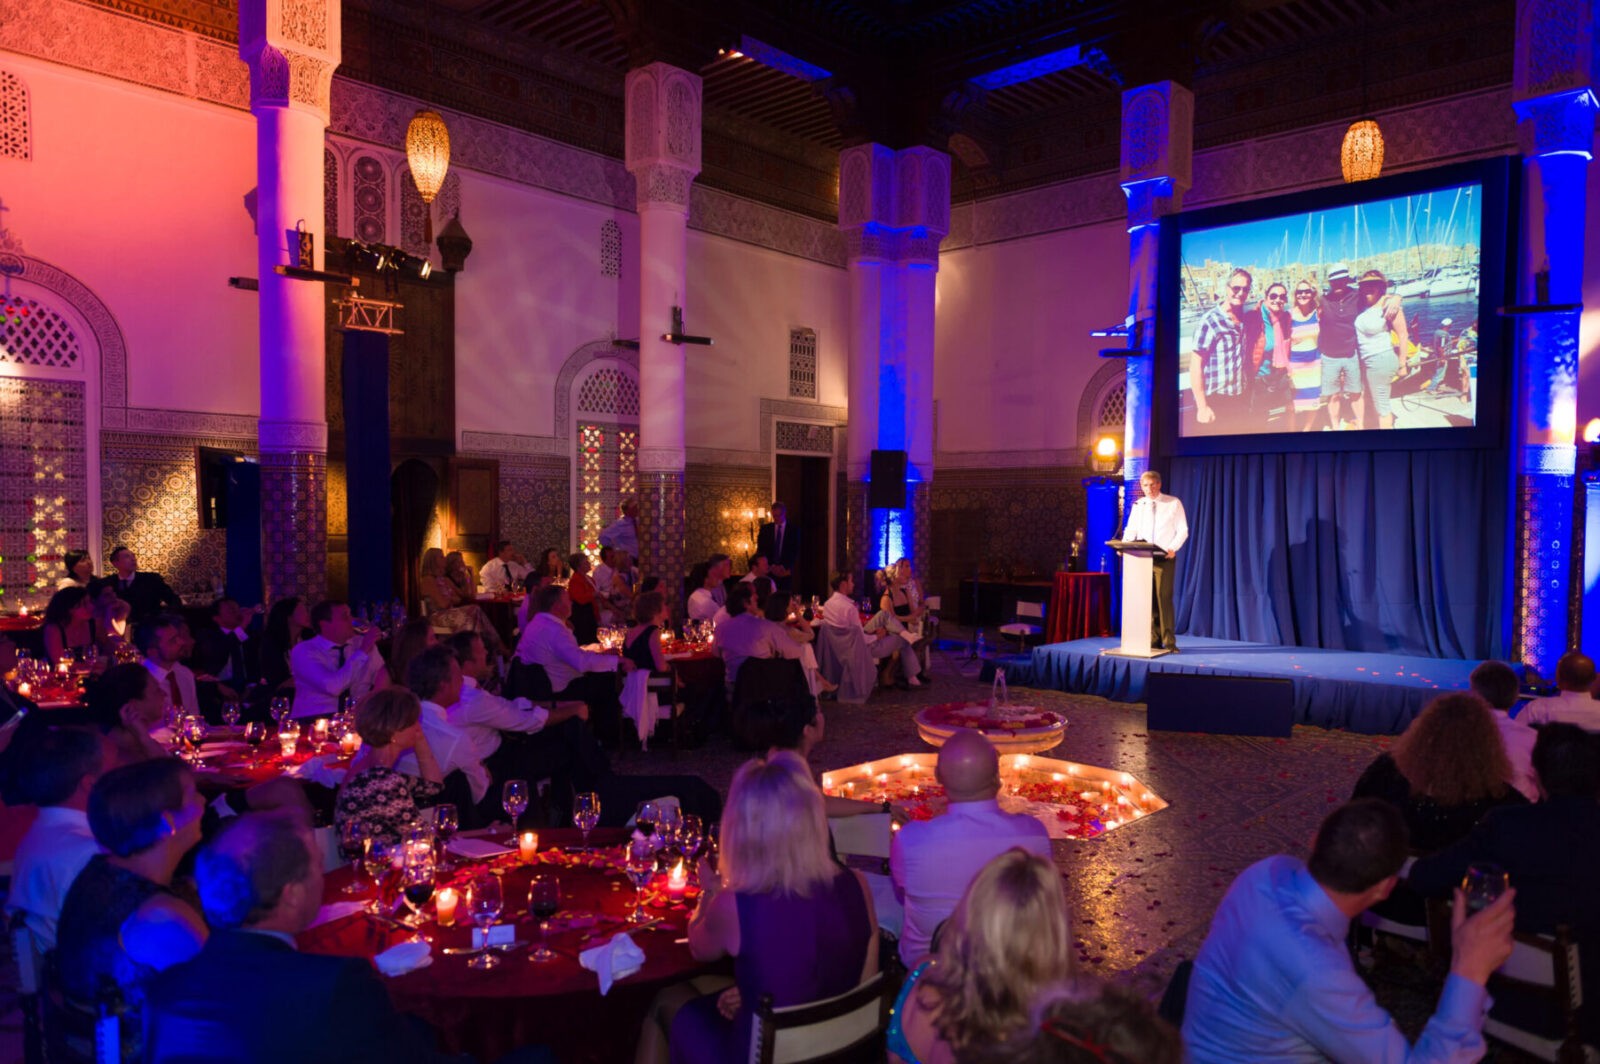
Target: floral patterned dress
[(385, 800)]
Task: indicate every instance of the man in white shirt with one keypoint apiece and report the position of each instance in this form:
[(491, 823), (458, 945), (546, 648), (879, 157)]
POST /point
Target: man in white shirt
[(335, 661), (623, 533), (705, 600), (840, 612), (503, 573), (434, 676), (161, 640), (1496, 683), (57, 768), (574, 673), (745, 635), (758, 568), (1159, 519), (933, 861), (1574, 702)]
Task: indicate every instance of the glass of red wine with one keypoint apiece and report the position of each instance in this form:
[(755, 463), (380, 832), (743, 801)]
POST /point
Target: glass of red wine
[(544, 901)]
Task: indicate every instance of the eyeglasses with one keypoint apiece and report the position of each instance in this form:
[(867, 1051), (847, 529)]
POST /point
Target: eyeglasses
[(1238, 289), (1304, 292), (1276, 297)]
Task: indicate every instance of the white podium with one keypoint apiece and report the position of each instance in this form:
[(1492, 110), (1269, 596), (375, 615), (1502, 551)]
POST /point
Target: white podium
[(1138, 580)]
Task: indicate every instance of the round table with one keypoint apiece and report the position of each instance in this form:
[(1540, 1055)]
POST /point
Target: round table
[(558, 1003)]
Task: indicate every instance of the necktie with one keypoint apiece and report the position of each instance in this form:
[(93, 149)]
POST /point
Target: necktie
[(341, 655), (172, 690), (778, 546), (236, 660)]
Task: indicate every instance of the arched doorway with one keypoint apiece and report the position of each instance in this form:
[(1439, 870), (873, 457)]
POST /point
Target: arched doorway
[(414, 502)]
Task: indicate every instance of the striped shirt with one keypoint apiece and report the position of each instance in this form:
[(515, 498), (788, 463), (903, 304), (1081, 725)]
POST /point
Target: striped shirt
[(1220, 344)]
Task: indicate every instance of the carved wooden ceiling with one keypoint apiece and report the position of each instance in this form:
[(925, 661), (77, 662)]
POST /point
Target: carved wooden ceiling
[(1021, 92)]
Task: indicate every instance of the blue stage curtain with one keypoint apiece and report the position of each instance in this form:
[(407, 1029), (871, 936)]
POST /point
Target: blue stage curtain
[(366, 451), (1388, 551)]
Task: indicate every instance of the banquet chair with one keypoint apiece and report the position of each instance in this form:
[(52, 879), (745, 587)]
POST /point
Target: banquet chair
[(930, 630), (530, 681), (1023, 627), (848, 1026), (75, 1032), (1545, 968), (25, 951)]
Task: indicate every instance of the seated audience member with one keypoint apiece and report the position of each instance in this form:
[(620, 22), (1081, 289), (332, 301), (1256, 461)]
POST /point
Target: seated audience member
[(228, 651), (1574, 702), (69, 626), (1274, 979), (413, 637), (1548, 851), (503, 573), (799, 927), (1007, 939), (550, 570), (126, 704), (434, 676), (260, 884), (776, 609), (78, 567), (796, 725), (334, 662), (585, 617), (161, 640), (746, 635), (1496, 683), (449, 601), (641, 644), (1446, 771), (758, 569), (840, 612), (288, 622), (111, 617), (384, 799), (458, 573), (604, 579), (145, 593), (54, 769), (121, 920), (901, 597), (1087, 1021), (933, 861), (710, 595), (547, 641)]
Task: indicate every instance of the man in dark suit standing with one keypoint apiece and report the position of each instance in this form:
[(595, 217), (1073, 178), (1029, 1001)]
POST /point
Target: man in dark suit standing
[(779, 542), (260, 884), (146, 594)]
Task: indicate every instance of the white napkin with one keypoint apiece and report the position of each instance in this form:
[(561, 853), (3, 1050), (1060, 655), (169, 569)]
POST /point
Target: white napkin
[(475, 849), (317, 770), (615, 960), (406, 957), (337, 911)]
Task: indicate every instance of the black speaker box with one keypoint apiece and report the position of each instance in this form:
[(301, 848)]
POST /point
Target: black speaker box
[(888, 488), (1221, 705)]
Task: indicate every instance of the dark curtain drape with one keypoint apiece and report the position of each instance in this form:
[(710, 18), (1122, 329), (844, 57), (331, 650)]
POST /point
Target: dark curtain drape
[(366, 451), (1389, 551), (244, 533)]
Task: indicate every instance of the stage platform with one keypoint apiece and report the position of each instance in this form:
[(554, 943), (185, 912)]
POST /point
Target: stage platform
[(1373, 693)]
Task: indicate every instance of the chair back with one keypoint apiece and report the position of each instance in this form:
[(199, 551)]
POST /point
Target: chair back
[(25, 948), (761, 679), (819, 1029), (530, 681), (1548, 965), (1034, 610), (76, 1032)]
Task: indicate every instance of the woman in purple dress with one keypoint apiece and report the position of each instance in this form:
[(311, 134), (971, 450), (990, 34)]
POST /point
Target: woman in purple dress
[(799, 926)]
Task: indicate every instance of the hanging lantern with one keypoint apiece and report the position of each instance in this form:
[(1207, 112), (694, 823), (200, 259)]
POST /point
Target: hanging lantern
[(428, 155), (1361, 157)]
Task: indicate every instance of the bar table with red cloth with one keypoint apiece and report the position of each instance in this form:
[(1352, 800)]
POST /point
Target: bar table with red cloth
[(1080, 606), (517, 1003)]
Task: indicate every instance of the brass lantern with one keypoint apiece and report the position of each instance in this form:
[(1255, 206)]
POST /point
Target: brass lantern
[(1361, 157), (428, 155)]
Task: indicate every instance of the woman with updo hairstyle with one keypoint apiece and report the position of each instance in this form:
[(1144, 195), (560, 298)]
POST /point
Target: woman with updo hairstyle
[(385, 800)]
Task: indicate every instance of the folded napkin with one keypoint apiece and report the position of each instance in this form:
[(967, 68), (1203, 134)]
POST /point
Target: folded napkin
[(317, 770), (475, 849), (337, 911), (615, 960), (406, 957)]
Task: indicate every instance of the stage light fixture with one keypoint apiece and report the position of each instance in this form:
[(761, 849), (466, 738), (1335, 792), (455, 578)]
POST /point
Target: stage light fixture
[(408, 265), (365, 256)]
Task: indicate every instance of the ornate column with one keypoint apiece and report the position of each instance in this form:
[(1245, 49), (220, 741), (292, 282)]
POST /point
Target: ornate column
[(1554, 100), (292, 48), (895, 209), (1157, 150), (663, 154)]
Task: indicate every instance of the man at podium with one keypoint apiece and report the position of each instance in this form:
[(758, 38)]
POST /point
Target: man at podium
[(1159, 519)]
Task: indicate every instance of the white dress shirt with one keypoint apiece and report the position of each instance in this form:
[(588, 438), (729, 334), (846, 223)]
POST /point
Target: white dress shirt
[(750, 635), (933, 862), (547, 641), (186, 687), (319, 679), (1518, 738), (703, 604), (1161, 521), (452, 748), (499, 575), (603, 578), (51, 855), (841, 611), (483, 716), (1564, 707), (240, 636)]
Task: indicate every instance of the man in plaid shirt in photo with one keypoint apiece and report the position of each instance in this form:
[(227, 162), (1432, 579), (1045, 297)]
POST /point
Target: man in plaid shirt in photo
[(1217, 364)]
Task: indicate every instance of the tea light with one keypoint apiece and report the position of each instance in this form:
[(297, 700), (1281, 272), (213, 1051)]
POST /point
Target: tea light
[(349, 744), (319, 730), (677, 881), (528, 846), (289, 743), (25, 689), (63, 667), (23, 612), (445, 903)]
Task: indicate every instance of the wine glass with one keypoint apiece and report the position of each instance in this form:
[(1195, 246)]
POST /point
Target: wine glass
[(1483, 883), (691, 836), (231, 714), (280, 707), (484, 903), (446, 822), (645, 819), (353, 836), (586, 813), (640, 867), (544, 901), (377, 861), (417, 873), (514, 799), (255, 733)]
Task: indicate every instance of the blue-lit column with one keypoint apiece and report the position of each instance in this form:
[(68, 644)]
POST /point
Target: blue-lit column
[(1157, 150), (895, 209), (1554, 100)]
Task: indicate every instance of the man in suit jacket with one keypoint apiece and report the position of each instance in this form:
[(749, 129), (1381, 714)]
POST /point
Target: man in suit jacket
[(779, 542), (260, 884), (227, 652), (145, 593), (1548, 851)]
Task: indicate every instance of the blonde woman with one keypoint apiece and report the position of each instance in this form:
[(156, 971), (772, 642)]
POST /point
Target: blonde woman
[(448, 606), (1007, 940), (798, 925), (460, 576)]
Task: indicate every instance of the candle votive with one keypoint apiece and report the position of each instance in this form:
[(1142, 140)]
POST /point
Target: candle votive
[(349, 744), (528, 846), (677, 881), (290, 743), (444, 904), (319, 730), (25, 689)]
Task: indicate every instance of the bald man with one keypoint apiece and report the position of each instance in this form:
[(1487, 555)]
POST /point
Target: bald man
[(933, 861)]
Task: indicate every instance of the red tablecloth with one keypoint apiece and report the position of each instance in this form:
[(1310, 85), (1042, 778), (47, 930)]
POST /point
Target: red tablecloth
[(489, 1013), (1080, 606), (12, 623)]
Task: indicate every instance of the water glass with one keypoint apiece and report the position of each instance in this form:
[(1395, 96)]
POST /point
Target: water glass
[(255, 733), (231, 714), (1483, 883), (586, 813), (484, 903), (446, 822), (514, 799), (640, 867)]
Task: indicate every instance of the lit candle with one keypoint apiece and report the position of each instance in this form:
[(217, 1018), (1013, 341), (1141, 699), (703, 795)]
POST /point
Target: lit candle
[(528, 845), (319, 730), (445, 906), (63, 667), (349, 744), (25, 689), (290, 742), (677, 881), (23, 612)]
